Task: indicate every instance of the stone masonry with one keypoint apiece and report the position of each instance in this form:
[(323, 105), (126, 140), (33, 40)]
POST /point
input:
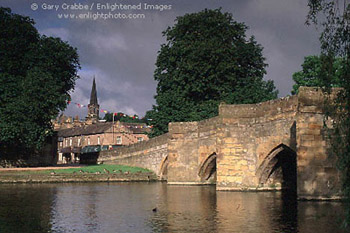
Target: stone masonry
[(147, 154), (266, 146)]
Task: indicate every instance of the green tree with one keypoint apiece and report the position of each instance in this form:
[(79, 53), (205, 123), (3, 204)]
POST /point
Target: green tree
[(334, 19), (311, 74), (123, 118), (109, 116), (207, 59), (36, 75)]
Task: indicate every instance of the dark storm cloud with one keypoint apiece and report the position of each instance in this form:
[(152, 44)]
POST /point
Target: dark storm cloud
[(122, 53), (280, 27)]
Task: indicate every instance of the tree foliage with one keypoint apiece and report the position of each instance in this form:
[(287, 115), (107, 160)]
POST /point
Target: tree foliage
[(123, 118), (311, 73), (36, 75), (335, 42), (206, 59)]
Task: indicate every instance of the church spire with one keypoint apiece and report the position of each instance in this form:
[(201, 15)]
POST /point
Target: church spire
[(93, 96), (93, 107)]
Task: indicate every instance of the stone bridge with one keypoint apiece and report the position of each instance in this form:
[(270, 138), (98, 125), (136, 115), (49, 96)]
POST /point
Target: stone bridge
[(278, 144)]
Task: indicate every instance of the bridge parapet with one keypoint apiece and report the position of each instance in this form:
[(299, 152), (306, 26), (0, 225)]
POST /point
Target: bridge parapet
[(266, 110), (147, 154)]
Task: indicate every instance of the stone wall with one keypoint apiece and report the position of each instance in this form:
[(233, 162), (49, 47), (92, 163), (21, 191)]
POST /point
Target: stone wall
[(207, 147), (183, 152), (317, 173), (190, 144), (147, 154)]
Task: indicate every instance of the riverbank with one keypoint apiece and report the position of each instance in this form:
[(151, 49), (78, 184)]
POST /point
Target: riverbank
[(95, 173)]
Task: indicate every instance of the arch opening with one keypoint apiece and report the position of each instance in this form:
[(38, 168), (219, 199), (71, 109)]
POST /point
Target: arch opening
[(163, 172), (279, 169), (207, 171)]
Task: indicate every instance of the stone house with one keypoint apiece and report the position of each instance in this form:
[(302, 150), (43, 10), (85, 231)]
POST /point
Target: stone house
[(75, 141), (80, 141)]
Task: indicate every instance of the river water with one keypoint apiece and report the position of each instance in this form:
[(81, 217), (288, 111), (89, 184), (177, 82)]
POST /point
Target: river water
[(128, 207)]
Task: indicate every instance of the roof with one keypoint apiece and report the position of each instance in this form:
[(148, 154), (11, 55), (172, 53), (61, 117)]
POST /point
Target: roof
[(100, 128), (136, 128), (97, 128)]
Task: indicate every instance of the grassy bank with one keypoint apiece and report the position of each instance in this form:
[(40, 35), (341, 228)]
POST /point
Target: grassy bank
[(92, 173), (102, 169)]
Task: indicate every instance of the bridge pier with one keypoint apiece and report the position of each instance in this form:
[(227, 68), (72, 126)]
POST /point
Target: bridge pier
[(318, 177), (183, 153)]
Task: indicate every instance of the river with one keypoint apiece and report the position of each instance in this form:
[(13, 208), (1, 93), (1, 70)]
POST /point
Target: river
[(157, 207)]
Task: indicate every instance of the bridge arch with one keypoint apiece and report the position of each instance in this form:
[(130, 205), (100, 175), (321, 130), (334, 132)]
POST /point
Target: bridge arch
[(207, 169), (279, 167), (163, 171)]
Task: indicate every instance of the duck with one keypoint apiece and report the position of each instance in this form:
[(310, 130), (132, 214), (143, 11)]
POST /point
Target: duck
[(105, 170)]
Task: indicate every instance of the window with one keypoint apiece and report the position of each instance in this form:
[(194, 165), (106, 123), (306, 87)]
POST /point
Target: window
[(98, 140), (88, 140), (78, 141), (70, 141), (139, 139), (119, 140)]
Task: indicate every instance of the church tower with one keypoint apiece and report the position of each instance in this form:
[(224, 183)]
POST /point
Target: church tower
[(93, 107)]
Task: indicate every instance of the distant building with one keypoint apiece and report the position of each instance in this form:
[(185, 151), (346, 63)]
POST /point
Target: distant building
[(80, 141), (93, 107)]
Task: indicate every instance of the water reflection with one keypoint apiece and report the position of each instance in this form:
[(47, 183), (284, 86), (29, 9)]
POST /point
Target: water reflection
[(288, 212), (127, 207), (75, 205), (182, 208), (25, 208)]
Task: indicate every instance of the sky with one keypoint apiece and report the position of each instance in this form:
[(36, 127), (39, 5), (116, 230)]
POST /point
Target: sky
[(118, 45)]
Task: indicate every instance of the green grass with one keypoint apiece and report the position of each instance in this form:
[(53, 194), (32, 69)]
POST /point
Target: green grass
[(99, 168), (89, 169)]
